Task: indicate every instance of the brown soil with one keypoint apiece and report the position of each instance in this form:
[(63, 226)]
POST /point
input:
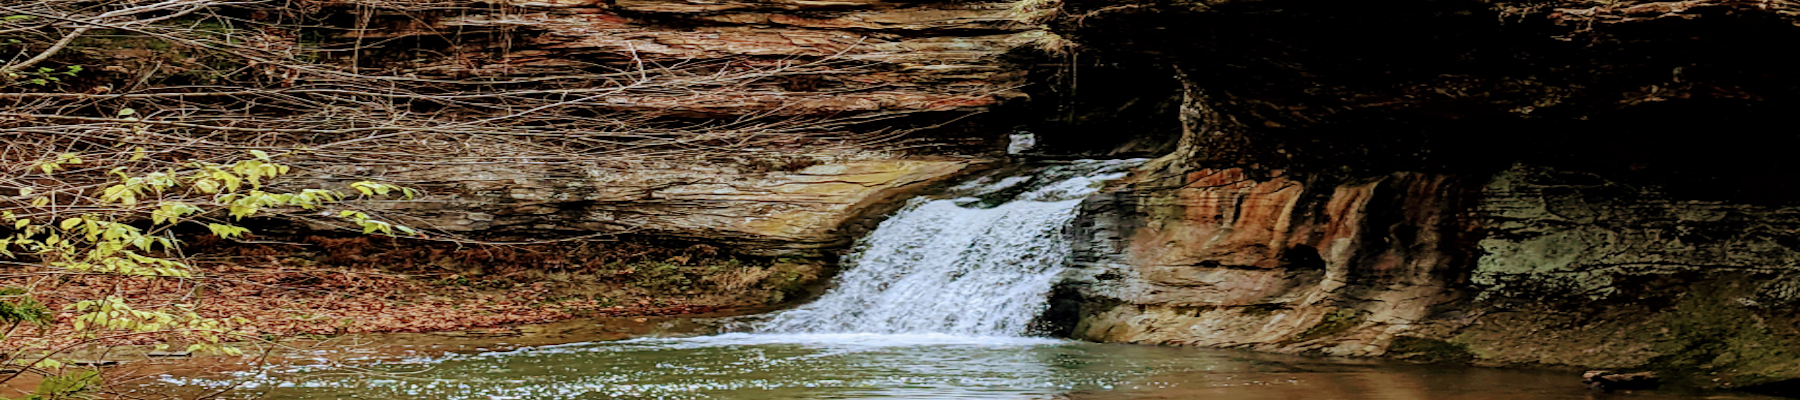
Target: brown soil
[(377, 285)]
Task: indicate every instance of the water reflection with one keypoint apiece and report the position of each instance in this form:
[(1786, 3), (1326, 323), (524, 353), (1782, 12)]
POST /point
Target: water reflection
[(866, 366)]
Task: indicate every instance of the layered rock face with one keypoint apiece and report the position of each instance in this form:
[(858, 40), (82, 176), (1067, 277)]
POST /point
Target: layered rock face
[(1533, 266), (1220, 258), (862, 102), (1499, 182), (822, 56), (809, 211), (773, 127)]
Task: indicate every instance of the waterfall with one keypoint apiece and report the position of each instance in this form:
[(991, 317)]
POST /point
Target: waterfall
[(979, 264)]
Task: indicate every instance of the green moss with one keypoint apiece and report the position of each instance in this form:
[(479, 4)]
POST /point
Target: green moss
[(661, 277), (1429, 350), (791, 280), (1334, 323), (1709, 335)]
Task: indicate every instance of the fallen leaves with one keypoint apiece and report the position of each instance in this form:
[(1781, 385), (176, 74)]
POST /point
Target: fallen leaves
[(283, 300)]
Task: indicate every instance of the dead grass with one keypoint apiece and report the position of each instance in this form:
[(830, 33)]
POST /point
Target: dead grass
[(1049, 42), (1034, 12), (738, 279)]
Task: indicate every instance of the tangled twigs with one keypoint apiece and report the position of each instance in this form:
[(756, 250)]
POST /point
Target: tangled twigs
[(236, 76), (131, 15)]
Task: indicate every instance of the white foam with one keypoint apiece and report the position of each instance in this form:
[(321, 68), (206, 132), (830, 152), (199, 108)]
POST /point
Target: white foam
[(839, 340), (951, 267)]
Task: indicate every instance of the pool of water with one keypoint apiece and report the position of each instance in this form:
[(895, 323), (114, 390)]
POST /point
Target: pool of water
[(877, 366)]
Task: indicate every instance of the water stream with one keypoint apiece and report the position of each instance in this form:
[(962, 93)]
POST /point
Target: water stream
[(977, 264), (936, 303)]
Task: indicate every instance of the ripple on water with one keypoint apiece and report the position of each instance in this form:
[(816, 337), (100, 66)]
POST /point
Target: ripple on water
[(753, 366)]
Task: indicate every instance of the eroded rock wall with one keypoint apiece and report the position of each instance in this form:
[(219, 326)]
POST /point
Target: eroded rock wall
[(899, 87), (1580, 270), (809, 211), (1532, 266), (1278, 263), (1560, 183), (833, 56)]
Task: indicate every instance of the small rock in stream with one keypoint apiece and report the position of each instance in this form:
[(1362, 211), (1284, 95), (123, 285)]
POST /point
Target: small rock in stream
[(1608, 381)]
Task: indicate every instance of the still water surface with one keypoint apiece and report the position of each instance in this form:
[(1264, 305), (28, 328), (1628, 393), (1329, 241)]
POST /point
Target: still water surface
[(927, 366)]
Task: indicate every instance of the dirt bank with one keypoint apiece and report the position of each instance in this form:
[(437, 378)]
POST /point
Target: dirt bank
[(321, 286)]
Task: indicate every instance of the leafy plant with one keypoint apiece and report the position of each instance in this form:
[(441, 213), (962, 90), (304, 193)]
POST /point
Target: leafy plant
[(78, 385), (125, 230), (16, 307), (44, 75)]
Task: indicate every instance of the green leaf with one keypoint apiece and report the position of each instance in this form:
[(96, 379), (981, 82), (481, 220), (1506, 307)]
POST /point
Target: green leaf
[(227, 231), (231, 181), (112, 193), (207, 186), (239, 211)]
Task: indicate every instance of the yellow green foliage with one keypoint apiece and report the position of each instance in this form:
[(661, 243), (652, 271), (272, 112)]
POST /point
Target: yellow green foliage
[(124, 228)]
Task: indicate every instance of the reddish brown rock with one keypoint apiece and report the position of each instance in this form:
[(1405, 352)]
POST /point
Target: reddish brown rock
[(1221, 258)]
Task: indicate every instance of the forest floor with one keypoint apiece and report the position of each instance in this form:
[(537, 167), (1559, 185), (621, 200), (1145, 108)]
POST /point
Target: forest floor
[(355, 286)]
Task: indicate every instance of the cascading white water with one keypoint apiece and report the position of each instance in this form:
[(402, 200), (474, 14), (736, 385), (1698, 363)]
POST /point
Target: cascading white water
[(977, 265)]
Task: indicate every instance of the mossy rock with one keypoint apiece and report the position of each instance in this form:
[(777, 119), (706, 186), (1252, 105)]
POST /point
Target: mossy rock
[(1709, 335), (1336, 322), (1429, 350), (791, 280)]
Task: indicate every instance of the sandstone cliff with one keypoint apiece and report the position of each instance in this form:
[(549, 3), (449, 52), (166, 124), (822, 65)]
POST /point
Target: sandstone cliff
[(773, 127), (912, 72), (1564, 183)]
